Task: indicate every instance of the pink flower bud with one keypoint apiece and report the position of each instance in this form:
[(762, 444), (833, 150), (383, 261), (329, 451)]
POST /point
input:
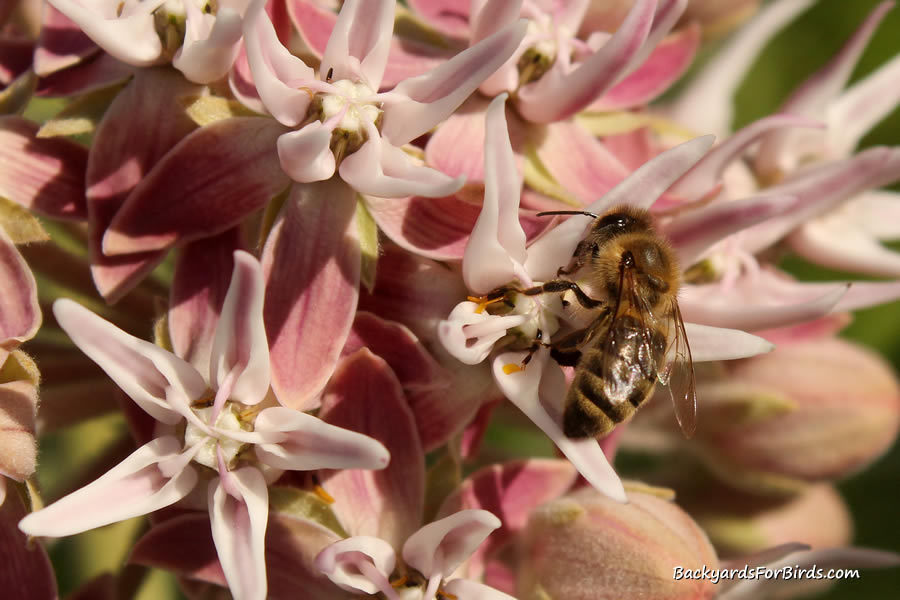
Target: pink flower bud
[(809, 411), (588, 546), (18, 405)]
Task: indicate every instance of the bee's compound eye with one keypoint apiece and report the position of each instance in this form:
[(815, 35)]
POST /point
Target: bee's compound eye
[(657, 283)]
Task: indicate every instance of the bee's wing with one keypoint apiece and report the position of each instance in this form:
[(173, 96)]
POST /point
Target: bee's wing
[(679, 375)]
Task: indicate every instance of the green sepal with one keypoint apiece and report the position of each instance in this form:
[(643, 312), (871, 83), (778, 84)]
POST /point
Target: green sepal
[(302, 503), (368, 245), (21, 226), (82, 115), (204, 110)]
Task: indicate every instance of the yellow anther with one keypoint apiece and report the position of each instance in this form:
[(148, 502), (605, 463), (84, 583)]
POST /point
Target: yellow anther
[(511, 368), (400, 581), (482, 302), (325, 496)]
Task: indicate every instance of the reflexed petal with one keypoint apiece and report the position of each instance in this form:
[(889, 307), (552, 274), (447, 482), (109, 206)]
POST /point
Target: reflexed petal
[(309, 443), (359, 43), (418, 104), (717, 343), (343, 563), (705, 104), (640, 189), (380, 169), (305, 155), (158, 381), (60, 44), (496, 248), (131, 38), (238, 513), (558, 95), (276, 72), (20, 314), (45, 175), (473, 590), (240, 353), (183, 545), (207, 184), (441, 546), (311, 263), (27, 570), (94, 73), (544, 378), (386, 503), (209, 59), (469, 335), (292, 545), (144, 482), (202, 276), (451, 17)]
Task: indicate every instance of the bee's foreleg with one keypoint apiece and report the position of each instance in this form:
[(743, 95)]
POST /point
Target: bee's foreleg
[(563, 285)]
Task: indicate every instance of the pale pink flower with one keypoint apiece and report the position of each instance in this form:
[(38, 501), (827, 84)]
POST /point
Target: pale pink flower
[(223, 420)]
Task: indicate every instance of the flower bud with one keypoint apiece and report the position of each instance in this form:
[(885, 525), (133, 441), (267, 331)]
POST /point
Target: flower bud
[(588, 546), (809, 411), (18, 404)]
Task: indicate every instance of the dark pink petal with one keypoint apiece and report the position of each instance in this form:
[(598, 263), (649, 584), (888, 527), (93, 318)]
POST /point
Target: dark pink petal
[(182, 544), (205, 185), (101, 587), (358, 46), (668, 61), (93, 73), (152, 97), (510, 491), (15, 57), (418, 104), (314, 23), (202, 276), (387, 503), (27, 572), (558, 95), (153, 477), (579, 161), (238, 514), (311, 262), (61, 43), (20, 314), (449, 16), (45, 175), (292, 545), (457, 146)]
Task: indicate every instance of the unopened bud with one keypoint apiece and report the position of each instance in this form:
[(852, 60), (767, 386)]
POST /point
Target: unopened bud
[(18, 405), (588, 546)]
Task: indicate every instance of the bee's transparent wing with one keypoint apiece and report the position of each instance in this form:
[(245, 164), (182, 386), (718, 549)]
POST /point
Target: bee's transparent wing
[(679, 374)]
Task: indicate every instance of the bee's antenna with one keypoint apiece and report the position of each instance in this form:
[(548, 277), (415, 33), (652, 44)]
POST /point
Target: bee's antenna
[(567, 212)]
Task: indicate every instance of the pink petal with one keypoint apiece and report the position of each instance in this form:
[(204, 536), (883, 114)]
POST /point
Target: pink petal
[(632, 149), (579, 161), (202, 276), (473, 590), (456, 147), (152, 96), (240, 354), (308, 443), (694, 232), (380, 169), (641, 189), (45, 175), (557, 95), (15, 57), (305, 155), (27, 569), (496, 249), (60, 44), (488, 18), (158, 381), (314, 22), (441, 546), (182, 544), (93, 73), (705, 104), (451, 17), (20, 314), (353, 563), (205, 185), (276, 72), (707, 173), (208, 60), (544, 379), (292, 545), (142, 483), (386, 503), (510, 491), (418, 104), (311, 263), (668, 62), (238, 514), (838, 245), (718, 343), (358, 46)]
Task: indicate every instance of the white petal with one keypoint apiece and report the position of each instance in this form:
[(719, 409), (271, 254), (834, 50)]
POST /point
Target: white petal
[(152, 477), (208, 59), (309, 443), (158, 381), (305, 155), (360, 41), (717, 343), (239, 514), (441, 546), (469, 336), (344, 562)]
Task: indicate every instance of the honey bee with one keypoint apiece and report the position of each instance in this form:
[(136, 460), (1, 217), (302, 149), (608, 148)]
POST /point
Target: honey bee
[(635, 335)]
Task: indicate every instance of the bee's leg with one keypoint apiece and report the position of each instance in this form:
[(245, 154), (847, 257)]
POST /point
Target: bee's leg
[(535, 346), (563, 285), (582, 251)]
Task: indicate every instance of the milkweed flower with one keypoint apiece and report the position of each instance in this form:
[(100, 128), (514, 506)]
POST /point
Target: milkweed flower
[(220, 427)]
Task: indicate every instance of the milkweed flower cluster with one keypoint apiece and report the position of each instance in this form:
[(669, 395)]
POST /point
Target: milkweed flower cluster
[(297, 248)]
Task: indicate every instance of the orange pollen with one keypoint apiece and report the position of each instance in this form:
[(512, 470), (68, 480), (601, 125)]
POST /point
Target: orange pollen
[(511, 368), (442, 595), (325, 496), (400, 581), (482, 303), (309, 92)]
